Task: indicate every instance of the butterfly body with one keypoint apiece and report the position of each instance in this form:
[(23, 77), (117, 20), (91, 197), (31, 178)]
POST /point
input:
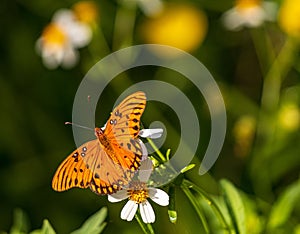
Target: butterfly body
[(108, 163), (103, 140)]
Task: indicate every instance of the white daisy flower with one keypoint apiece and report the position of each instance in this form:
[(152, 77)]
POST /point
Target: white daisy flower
[(60, 40), (249, 13), (137, 193)]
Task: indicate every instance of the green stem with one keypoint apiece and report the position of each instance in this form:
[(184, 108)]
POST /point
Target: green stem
[(263, 47), (99, 47), (147, 228), (188, 184), (266, 126), (196, 206), (124, 25), (161, 156), (274, 78)]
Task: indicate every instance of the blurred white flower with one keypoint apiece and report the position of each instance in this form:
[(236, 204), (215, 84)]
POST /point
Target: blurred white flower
[(150, 7), (60, 40), (78, 32), (137, 193), (249, 13)]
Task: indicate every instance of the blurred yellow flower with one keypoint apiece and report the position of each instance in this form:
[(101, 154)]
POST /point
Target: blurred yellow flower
[(288, 17), (243, 132), (289, 117), (249, 13), (86, 11), (180, 26)]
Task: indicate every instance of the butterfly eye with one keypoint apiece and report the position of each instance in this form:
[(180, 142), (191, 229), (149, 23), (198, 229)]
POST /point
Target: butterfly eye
[(84, 149), (82, 154)]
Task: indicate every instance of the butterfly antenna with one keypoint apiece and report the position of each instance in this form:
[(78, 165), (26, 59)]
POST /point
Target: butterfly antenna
[(79, 126)]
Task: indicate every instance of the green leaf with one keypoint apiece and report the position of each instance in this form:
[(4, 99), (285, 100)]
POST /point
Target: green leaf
[(146, 228), (168, 154), (196, 206), (20, 223), (283, 207), (46, 228), (234, 205), (94, 224), (187, 168)]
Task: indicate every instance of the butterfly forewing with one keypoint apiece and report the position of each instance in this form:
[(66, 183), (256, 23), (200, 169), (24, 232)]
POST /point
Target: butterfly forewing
[(123, 128)]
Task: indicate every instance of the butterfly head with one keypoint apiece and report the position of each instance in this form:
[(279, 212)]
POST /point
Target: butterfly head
[(98, 132)]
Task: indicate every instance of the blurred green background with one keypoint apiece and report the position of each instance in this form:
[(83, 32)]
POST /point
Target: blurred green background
[(256, 68)]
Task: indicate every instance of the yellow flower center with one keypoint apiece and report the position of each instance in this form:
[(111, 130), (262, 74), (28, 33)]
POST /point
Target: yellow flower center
[(247, 4), (86, 11), (53, 34), (138, 192)]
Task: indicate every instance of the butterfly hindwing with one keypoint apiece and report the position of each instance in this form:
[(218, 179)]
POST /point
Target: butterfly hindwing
[(75, 170), (108, 176)]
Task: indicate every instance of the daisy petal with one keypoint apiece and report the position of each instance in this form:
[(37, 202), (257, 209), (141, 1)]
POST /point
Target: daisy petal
[(147, 212), (232, 19), (118, 196), (159, 196), (144, 150), (70, 58), (103, 127), (254, 17), (271, 9), (79, 34), (129, 210), (145, 170), (63, 17), (151, 7), (151, 133)]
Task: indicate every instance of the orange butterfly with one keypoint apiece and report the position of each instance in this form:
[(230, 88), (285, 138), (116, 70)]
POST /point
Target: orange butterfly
[(108, 163)]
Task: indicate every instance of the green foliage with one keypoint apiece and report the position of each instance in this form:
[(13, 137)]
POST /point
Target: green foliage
[(46, 229), (281, 211), (235, 206), (20, 223), (93, 225)]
